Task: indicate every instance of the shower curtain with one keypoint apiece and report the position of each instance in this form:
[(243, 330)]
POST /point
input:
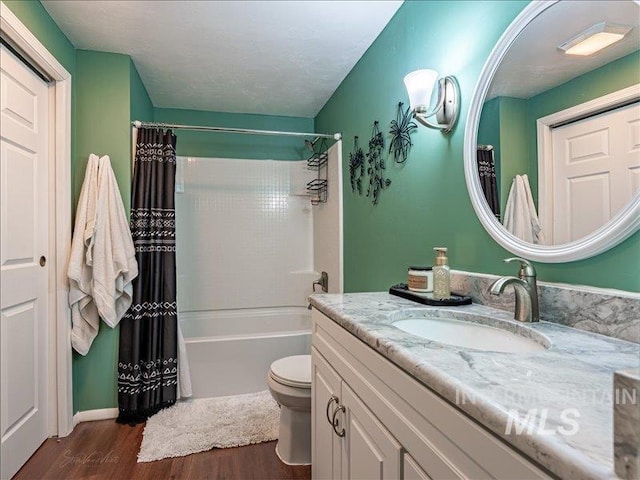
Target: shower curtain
[(487, 173), (148, 363)]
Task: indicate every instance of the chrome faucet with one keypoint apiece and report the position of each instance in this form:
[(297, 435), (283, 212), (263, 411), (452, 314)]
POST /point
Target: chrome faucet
[(526, 290), (323, 282)]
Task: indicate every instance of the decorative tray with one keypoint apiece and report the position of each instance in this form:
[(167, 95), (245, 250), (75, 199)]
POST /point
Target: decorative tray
[(401, 290)]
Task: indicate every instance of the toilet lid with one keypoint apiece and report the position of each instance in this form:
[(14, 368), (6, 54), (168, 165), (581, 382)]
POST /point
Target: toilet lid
[(292, 371)]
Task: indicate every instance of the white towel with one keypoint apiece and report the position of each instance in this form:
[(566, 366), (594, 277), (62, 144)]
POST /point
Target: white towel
[(84, 314), (520, 217), (114, 261)]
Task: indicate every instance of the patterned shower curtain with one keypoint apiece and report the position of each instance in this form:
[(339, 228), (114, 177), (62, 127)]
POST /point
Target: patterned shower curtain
[(148, 363), (487, 173)]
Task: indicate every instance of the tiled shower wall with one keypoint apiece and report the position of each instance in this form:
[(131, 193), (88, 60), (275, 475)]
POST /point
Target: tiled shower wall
[(244, 234)]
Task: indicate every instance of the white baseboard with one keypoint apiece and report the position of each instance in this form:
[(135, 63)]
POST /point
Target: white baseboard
[(92, 415)]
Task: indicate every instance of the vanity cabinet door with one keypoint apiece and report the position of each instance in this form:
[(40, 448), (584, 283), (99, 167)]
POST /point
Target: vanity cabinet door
[(370, 452), (412, 470), (326, 455)]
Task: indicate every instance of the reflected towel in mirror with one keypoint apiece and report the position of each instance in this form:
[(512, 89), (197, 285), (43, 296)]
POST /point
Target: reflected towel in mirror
[(520, 216)]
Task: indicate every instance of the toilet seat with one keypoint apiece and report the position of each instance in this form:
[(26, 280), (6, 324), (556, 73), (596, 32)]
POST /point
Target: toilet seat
[(294, 371)]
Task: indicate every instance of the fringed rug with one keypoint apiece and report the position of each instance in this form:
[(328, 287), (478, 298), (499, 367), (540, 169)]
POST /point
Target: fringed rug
[(199, 425)]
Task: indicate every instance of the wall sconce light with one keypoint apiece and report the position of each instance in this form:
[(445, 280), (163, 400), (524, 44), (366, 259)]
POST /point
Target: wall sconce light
[(420, 84)]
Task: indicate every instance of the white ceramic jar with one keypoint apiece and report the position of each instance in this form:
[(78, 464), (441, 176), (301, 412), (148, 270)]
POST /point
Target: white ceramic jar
[(420, 279)]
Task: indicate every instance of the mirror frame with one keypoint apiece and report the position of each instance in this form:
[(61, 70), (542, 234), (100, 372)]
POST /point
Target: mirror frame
[(621, 226)]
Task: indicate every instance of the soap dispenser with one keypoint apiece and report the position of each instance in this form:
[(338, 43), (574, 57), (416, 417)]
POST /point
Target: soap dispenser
[(441, 275)]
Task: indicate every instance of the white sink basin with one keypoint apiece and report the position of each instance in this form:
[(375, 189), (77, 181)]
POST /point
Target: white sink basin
[(470, 331)]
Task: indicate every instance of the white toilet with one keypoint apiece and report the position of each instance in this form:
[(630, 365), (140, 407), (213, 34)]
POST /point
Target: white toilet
[(289, 381)]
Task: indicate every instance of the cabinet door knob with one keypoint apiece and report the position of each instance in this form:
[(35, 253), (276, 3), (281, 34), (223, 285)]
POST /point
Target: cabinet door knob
[(43, 261), (331, 400), (334, 421)]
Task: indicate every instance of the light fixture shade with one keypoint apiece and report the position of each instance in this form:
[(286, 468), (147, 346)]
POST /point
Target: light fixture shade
[(420, 85), (595, 38)]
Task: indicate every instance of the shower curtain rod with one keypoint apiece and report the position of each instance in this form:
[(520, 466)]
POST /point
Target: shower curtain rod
[(246, 131)]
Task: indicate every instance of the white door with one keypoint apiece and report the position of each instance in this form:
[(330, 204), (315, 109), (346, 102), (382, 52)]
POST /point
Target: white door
[(596, 163), (24, 246)]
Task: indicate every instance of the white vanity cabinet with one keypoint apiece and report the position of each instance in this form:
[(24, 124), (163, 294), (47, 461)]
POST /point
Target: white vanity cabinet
[(369, 451), (371, 420)]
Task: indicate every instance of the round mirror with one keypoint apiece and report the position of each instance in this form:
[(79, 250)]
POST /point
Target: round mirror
[(552, 140)]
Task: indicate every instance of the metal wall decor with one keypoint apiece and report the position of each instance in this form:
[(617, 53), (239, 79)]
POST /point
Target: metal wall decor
[(356, 166), (377, 166), (401, 129)]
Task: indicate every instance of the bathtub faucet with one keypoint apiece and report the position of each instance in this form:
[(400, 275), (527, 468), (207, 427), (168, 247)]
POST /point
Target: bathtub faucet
[(323, 281), (526, 290)]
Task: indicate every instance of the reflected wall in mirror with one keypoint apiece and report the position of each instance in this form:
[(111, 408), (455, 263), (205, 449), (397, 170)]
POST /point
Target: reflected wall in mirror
[(570, 123)]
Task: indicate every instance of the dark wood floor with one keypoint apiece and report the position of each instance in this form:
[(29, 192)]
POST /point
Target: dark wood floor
[(107, 450)]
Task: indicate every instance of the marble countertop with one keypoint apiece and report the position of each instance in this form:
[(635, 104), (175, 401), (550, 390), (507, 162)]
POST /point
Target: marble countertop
[(567, 390)]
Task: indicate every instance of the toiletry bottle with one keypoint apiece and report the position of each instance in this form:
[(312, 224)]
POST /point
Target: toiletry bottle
[(441, 276)]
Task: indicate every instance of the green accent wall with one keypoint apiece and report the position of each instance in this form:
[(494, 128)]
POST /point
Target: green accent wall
[(103, 115), (503, 124), (514, 144), (427, 204), (110, 94), (141, 106), (225, 145)]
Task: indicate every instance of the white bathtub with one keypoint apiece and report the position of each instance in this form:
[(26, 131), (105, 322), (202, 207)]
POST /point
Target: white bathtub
[(230, 351)]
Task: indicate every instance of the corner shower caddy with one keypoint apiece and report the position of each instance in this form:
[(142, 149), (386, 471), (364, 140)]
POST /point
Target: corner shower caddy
[(319, 161)]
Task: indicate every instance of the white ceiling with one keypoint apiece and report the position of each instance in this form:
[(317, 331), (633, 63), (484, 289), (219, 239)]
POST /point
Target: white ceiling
[(534, 64), (265, 57)]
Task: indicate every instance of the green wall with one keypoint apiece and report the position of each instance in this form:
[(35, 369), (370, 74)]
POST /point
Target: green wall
[(514, 144), (427, 204), (503, 124), (141, 106), (103, 114), (207, 144), (110, 94)]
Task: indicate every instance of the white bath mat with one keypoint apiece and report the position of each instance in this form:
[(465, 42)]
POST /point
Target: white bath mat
[(199, 425)]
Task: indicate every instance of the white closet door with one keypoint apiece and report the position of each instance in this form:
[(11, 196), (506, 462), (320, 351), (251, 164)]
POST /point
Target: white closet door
[(596, 164), (24, 234)]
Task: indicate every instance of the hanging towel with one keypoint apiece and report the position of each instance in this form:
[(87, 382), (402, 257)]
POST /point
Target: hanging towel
[(114, 262), (520, 217), (84, 314)]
